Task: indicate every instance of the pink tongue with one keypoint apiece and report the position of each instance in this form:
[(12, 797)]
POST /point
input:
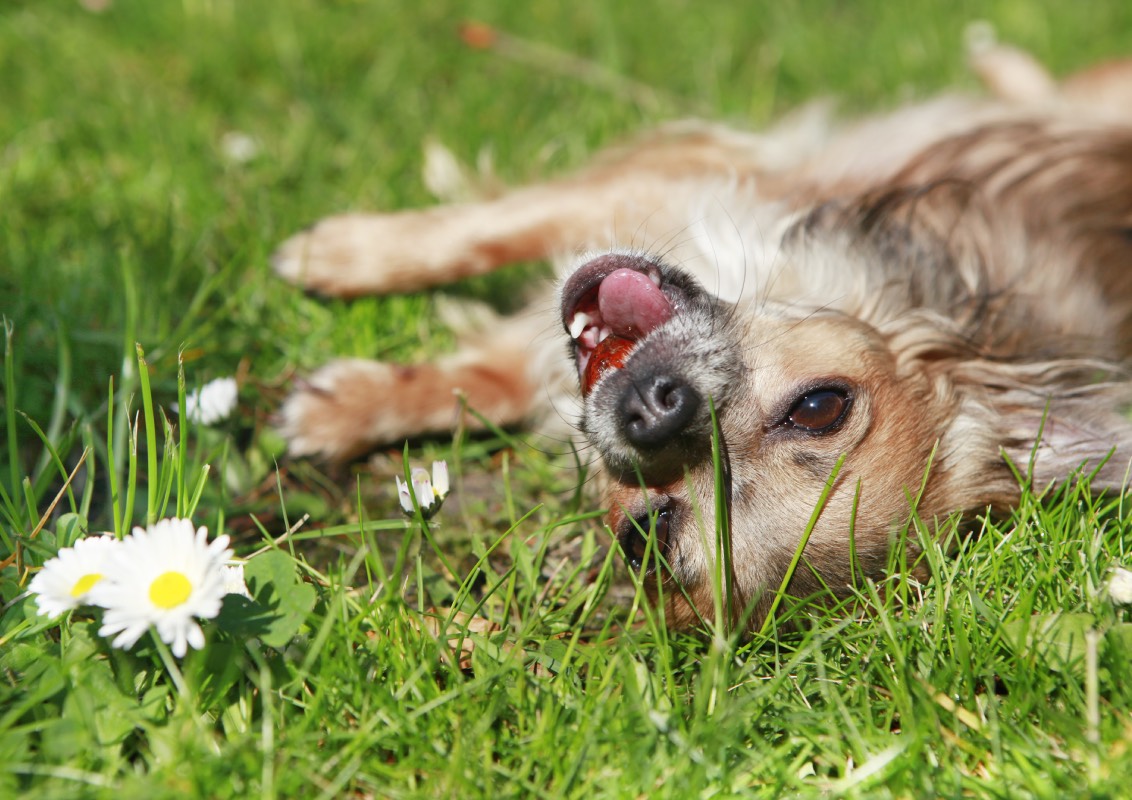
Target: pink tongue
[(631, 304)]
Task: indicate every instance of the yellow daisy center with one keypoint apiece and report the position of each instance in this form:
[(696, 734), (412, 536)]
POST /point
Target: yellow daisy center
[(170, 589), (84, 584)]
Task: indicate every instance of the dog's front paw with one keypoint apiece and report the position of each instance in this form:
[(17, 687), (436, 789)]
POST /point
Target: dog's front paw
[(356, 254), (352, 405), (345, 255), (340, 411)]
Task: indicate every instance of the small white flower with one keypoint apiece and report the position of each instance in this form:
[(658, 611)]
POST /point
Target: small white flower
[(212, 403), (165, 576), (1120, 586), (66, 580), (234, 579), (429, 491), (239, 147)]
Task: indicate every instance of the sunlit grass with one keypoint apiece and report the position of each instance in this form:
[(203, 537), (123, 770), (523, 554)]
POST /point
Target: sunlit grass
[(516, 657)]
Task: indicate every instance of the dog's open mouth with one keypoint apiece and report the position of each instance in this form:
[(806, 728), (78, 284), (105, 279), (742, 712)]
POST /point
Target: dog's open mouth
[(609, 305)]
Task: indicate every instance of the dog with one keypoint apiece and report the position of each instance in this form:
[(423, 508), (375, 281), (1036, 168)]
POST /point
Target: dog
[(824, 327)]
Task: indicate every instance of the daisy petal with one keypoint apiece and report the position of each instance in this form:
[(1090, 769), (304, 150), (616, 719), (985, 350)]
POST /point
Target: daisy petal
[(440, 478), (422, 488), (406, 499)]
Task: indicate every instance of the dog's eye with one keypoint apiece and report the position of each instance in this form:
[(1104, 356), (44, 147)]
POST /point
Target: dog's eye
[(819, 411)]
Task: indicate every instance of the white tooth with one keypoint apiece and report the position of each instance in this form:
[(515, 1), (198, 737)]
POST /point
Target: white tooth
[(655, 278), (578, 324)]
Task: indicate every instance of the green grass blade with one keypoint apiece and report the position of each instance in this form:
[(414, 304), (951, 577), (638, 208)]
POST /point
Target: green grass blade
[(10, 398), (153, 476)]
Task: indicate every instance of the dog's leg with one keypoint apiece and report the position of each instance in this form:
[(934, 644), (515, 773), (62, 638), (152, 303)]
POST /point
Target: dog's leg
[(1016, 76), (514, 375), (1106, 86), (611, 203), (357, 254)]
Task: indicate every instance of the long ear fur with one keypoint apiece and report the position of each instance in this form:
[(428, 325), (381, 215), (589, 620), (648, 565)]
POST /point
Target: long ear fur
[(1049, 419), (1041, 420)]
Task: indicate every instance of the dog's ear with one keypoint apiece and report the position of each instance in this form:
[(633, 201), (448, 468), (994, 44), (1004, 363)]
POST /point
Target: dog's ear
[(1069, 438), (1048, 426)]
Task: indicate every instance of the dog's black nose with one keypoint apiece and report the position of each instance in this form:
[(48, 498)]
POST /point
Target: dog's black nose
[(657, 408)]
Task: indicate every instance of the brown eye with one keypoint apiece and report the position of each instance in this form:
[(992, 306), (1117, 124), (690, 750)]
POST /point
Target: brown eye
[(819, 411)]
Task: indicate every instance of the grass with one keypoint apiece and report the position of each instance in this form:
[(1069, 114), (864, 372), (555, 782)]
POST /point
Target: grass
[(1007, 674)]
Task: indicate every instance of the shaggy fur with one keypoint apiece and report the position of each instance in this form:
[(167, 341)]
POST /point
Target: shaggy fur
[(947, 285)]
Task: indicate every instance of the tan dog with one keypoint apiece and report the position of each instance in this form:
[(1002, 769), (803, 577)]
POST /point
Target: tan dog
[(947, 284)]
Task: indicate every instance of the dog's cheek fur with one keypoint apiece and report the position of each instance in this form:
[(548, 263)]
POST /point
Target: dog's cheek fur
[(778, 480), (886, 449)]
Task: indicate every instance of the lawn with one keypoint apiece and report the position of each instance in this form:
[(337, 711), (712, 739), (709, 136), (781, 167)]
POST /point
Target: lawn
[(152, 155)]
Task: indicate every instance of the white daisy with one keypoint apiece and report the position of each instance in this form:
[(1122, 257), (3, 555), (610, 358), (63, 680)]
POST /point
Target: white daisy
[(212, 403), (66, 580), (165, 575), (429, 491), (238, 147), (1120, 586)]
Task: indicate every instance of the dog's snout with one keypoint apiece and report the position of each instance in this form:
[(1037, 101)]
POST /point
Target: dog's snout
[(656, 409)]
